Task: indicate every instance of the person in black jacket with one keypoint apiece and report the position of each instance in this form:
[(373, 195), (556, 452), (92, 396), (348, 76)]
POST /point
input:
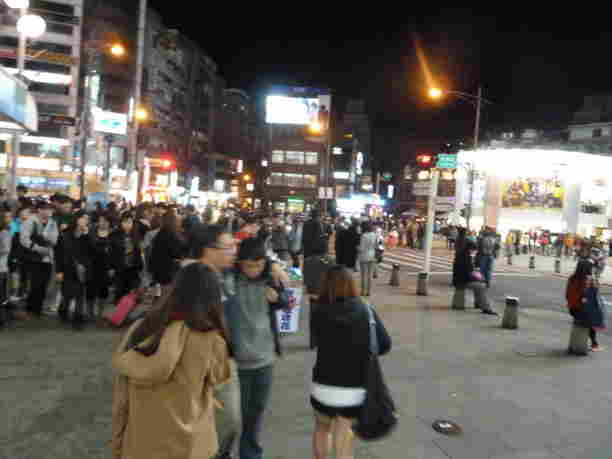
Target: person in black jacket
[(100, 282), (314, 240), (466, 276), (74, 267), (169, 248), (341, 325), (126, 257)]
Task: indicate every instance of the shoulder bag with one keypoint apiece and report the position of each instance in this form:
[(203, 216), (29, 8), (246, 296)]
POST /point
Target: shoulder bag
[(378, 417)]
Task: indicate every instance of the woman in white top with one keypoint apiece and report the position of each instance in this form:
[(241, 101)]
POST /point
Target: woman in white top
[(367, 257)]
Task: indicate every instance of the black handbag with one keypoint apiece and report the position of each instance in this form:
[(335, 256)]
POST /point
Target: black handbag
[(378, 417)]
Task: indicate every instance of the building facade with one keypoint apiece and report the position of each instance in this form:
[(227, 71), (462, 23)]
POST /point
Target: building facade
[(52, 73)]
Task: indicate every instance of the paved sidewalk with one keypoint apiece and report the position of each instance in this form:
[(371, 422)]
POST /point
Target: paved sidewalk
[(515, 393)]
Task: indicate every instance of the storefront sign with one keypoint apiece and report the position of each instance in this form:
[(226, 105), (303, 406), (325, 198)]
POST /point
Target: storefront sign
[(289, 319), (110, 122), (17, 105), (421, 188), (40, 55), (57, 120), (33, 162)]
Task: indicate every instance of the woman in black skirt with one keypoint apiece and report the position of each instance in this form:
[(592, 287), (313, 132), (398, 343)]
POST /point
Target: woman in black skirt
[(341, 325), (99, 285)]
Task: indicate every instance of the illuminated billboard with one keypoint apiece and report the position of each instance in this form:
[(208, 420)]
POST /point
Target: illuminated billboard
[(291, 110), (295, 105), (110, 122)]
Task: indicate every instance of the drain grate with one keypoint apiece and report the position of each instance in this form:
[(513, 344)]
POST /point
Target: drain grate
[(447, 428)]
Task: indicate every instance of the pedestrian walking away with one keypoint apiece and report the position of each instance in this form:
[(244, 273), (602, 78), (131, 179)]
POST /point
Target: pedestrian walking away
[(341, 326)]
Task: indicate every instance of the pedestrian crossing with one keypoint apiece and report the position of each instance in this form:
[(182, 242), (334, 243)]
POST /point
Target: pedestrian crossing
[(411, 262)]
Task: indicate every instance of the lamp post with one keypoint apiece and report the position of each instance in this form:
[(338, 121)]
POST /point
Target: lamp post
[(437, 93), (93, 52), (28, 26)]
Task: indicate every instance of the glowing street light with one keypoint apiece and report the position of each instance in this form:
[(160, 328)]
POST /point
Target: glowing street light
[(247, 178), (117, 50), (141, 114), (17, 4), (435, 93), (316, 127), (31, 26)]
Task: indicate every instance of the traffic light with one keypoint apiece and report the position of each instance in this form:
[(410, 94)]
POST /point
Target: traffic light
[(168, 164), (426, 161)]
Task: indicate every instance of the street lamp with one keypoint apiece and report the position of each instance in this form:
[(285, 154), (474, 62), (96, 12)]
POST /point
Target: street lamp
[(117, 50), (28, 26), (92, 51), (31, 25), (437, 93), (141, 115)]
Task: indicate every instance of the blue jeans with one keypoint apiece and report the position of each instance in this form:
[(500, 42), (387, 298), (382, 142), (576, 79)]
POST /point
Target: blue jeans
[(486, 267), (255, 388)]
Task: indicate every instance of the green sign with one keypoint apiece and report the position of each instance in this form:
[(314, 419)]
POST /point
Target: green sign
[(446, 161)]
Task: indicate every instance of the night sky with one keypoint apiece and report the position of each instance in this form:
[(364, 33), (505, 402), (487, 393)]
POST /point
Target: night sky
[(536, 64)]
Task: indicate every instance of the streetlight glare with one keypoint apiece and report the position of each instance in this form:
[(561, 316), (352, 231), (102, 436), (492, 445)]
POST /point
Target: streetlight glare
[(141, 114), (117, 50), (247, 177), (17, 4), (316, 127), (435, 93), (31, 25)]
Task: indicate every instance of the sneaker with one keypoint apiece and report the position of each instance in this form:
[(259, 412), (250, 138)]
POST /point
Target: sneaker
[(596, 348), (490, 312)]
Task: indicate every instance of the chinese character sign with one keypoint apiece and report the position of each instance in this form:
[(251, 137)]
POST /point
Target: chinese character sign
[(288, 319)]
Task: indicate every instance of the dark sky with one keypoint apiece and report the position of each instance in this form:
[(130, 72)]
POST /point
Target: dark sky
[(535, 63)]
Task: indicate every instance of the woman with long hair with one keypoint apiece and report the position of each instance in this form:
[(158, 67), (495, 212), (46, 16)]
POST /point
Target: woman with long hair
[(126, 256), (169, 248), (341, 325), (168, 365), (577, 285), (73, 267), (100, 282)]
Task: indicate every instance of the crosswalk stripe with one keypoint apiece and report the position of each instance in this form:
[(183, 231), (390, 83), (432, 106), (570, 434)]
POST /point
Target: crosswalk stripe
[(415, 253), (415, 262)]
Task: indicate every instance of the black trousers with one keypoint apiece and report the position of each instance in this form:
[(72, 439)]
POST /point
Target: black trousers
[(39, 274), (127, 281)]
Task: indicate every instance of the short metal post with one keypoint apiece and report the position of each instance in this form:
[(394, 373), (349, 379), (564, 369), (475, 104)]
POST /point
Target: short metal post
[(558, 266), (510, 320), (532, 262), (422, 282), (510, 259), (395, 276)]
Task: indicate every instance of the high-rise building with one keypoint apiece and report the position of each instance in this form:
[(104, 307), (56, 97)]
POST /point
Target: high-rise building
[(52, 72)]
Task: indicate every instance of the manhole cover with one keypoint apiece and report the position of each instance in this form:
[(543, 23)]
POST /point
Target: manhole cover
[(446, 428)]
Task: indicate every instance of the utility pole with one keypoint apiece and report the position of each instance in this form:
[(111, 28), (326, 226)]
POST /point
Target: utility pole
[(431, 214), (477, 126), (136, 154)]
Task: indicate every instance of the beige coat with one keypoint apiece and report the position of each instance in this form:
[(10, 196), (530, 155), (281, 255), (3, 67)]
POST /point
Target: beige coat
[(163, 404)]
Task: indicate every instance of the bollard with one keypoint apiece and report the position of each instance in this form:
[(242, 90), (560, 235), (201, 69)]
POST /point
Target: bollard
[(558, 266), (532, 262), (579, 340), (459, 299), (422, 284), (510, 260), (395, 276), (510, 321)]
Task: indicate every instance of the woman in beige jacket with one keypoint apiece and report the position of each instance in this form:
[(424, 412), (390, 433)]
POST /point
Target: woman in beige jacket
[(167, 366)]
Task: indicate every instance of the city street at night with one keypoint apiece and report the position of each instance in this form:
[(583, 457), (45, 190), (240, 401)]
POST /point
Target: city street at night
[(515, 394)]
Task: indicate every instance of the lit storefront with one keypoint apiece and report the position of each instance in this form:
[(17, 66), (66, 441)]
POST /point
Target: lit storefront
[(359, 204), (42, 176), (527, 189)]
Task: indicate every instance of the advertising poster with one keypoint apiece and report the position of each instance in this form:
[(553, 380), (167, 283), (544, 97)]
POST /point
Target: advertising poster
[(533, 193), (288, 320), (594, 196)]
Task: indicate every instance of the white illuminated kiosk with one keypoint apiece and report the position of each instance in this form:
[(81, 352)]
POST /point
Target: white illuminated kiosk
[(533, 188)]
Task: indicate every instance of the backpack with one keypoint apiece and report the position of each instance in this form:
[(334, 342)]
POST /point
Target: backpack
[(487, 246)]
